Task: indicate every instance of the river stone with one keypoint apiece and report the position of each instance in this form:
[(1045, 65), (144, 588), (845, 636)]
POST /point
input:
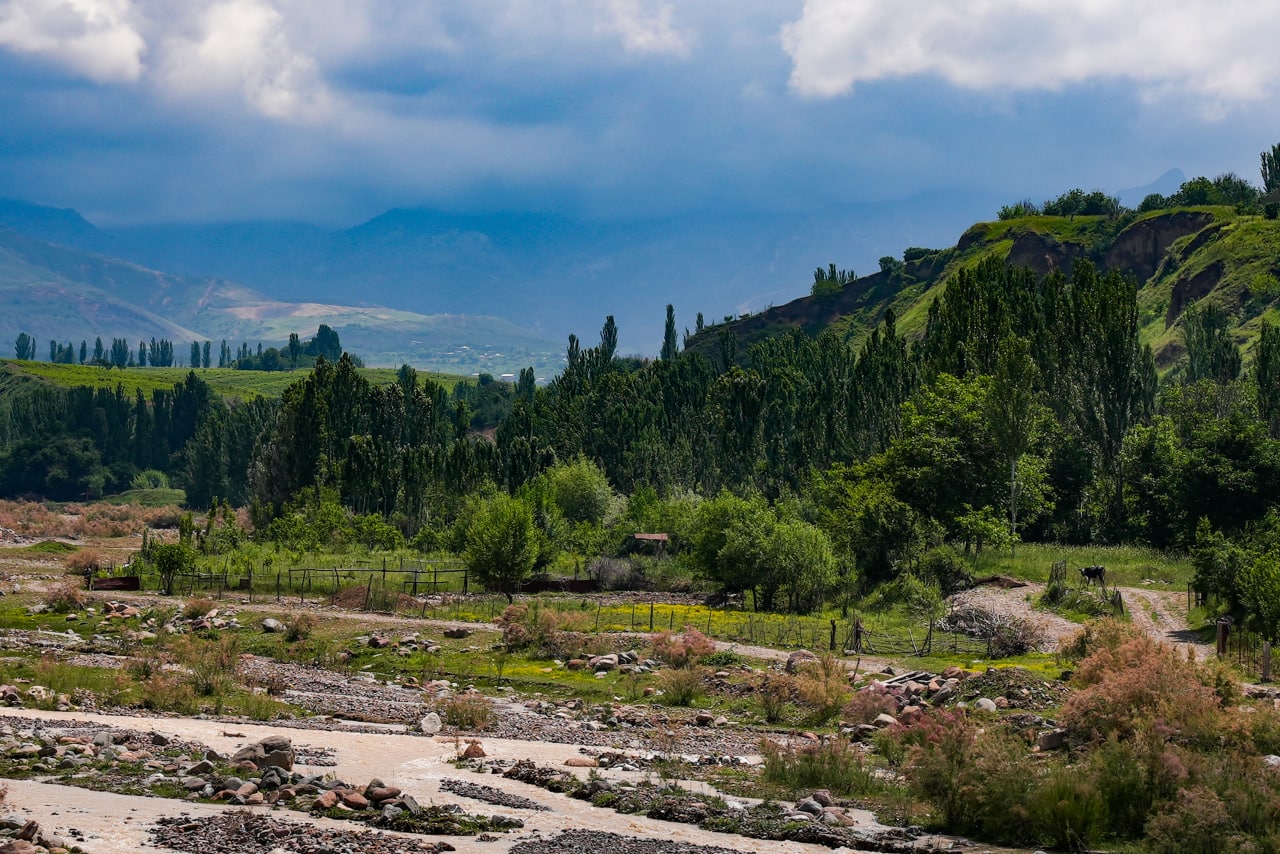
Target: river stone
[(430, 724), (985, 704)]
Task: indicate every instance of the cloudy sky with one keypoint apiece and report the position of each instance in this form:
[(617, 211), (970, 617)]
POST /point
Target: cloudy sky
[(332, 111)]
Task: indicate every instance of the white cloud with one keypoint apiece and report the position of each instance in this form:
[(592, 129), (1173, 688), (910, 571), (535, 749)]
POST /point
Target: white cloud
[(645, 28), (1221, 52), (242, 46), (96, 38)]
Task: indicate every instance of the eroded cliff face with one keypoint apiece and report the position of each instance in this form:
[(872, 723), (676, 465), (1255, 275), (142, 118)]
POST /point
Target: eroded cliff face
[(1188, 289), (1141, 247), (1045, 253), (1137, 251)]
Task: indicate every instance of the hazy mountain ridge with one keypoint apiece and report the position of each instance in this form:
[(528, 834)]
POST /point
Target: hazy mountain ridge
[(548, 273), (57, 293)]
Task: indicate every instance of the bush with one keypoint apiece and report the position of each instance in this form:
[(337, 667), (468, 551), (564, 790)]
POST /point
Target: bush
[(681, 686), (1139, 683), (468, 711), (65, 597), (1068, 810), (211, 664), (618, 573), (682, 650), (86, 562), (775, 692), (834, 765), (150, 479), (1106, 633), (300, 628), (823, 686), (1196, 822), (978, 781), (1132, 777), (197, 607), (525, 627), (868, 704)]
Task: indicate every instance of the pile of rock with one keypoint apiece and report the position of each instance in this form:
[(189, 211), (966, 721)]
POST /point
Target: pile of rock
[(19, 836), (404, 646), (623, 662), (244, 832)]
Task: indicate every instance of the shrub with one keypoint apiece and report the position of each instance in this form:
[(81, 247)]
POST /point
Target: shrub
[(682, 650), (300, 628), (823, 686), (467, 711), (977, 781), (211, 663), (1196, 822), (617, 573), (723, 658), (65, 597), (85, 562), (197, 607), (1138, 683), (1132, 777), (681, 686), (775, 692), (1106, 633), (1068, 810), (150, 479), (832, 764), (868, 704)]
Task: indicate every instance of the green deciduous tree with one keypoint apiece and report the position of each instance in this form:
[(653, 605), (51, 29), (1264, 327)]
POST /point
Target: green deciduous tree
[(1260, 589), (501, 544), (580, 491), (1011, 413)]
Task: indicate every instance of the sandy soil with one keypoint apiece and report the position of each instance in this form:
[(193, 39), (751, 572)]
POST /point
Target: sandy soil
[(118, 823)]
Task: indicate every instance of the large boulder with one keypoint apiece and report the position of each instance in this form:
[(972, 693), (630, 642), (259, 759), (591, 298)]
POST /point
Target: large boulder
[(430, 724), (272, 751), (799, 659)]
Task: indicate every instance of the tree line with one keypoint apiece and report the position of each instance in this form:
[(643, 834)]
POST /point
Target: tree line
[(160, 353)]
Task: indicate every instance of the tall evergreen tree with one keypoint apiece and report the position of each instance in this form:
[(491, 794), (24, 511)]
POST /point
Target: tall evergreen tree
[(1271, 169), (1266, 376), (194, 361), (25, 347), (1211, 354), (670, 344)]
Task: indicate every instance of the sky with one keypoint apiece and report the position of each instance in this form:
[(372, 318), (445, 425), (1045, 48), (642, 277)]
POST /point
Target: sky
[(332, 111)]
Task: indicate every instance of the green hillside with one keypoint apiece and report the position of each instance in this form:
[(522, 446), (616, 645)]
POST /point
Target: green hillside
[(1177, 257), (226, 382)]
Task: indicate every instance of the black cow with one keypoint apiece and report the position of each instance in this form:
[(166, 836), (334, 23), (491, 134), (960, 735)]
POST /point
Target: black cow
[(1091, 574)]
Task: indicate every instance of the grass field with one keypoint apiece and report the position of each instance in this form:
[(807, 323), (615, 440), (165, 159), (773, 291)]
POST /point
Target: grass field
[(1126, 565), (225, 381)]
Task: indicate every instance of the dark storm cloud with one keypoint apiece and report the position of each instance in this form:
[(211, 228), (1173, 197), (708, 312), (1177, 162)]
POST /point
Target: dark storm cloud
[(333, 111)]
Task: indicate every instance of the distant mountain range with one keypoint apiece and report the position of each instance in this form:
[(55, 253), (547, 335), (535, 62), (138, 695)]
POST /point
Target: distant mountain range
[(58, 293), (435, 289), (549, 274)]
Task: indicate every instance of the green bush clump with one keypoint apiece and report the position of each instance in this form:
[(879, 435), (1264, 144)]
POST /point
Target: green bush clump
[(834, 765)]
